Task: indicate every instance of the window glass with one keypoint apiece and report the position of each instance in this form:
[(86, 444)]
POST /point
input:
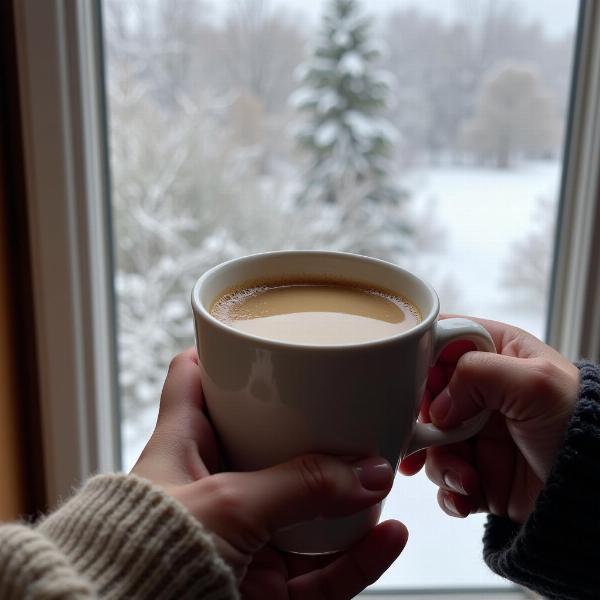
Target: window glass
[(427, 133)]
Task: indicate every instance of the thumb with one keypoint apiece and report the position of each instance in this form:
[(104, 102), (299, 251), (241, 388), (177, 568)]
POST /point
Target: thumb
[(518, 388), (251, 506)]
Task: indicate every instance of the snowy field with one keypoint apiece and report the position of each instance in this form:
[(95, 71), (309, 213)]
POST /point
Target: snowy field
[(483, 212)]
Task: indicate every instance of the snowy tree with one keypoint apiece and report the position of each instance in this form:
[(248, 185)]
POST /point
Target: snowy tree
[(513, 116), (528, 268), (162, 243), (184, 199), (343, 97)]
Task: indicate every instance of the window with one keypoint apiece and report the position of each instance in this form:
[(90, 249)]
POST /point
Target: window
[(205, 106), (429, 137)]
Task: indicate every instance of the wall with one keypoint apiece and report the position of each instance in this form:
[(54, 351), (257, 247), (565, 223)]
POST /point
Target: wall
[(19, 493), (12, 500)]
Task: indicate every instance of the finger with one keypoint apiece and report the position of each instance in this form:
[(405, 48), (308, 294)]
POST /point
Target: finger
[(452, 352), (482, 469), (182, 425), (412, 464), (455, 505), (519, 389), (266, 576), (182, 390), (182, 398), (451, 472), (298, 564), (354, 570), (438, 378), (246, 508)]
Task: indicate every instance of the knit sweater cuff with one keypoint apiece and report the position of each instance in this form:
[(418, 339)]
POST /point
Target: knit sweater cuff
[(32, 567), (555, 551), (129, 539)]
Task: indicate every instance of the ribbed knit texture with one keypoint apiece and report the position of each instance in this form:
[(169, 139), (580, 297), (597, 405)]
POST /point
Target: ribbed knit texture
[(119, 537), (557, 551)]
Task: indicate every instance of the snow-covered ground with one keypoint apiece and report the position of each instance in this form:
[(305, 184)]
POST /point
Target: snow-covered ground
[(482, 212)]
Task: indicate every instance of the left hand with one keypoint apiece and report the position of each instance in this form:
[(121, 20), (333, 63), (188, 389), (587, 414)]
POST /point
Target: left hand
[(242, 510)]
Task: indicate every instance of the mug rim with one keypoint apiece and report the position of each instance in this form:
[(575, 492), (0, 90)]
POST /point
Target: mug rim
[(199, 308)]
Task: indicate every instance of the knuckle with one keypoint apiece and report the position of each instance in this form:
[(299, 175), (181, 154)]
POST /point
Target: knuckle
[(468, 365), (227, 513), (224, 496), (316, 476), (542, 374), (538, 381)]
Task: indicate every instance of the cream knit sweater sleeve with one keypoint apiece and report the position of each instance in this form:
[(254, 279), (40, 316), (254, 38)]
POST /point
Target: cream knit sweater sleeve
[(119, 537)]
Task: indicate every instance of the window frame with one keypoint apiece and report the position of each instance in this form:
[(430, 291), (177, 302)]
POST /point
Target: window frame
[(68, 209), (61, 84), (573, 325)]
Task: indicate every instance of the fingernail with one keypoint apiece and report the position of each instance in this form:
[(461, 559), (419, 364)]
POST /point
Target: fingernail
[(450, 506), (374, 474), (440, 407), (452, 481)]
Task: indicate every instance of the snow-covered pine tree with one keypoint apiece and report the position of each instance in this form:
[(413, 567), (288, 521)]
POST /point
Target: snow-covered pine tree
[(343, 96)]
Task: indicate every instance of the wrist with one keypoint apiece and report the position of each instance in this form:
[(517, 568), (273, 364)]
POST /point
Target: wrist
[(554, 551)]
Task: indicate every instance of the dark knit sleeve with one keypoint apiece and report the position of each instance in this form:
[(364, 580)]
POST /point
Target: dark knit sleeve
[(556, 552)]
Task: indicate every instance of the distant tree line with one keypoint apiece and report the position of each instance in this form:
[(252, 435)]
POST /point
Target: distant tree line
[(487, 88)]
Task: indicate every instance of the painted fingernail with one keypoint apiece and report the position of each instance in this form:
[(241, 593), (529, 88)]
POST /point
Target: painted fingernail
[(440, 407), (450, 506), (374, 474), (453, 481)]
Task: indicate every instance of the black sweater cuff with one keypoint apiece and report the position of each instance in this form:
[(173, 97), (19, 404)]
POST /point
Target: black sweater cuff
[(556, 551)]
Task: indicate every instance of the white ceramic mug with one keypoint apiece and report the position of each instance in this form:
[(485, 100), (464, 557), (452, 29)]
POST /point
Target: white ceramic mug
[(270, 400)]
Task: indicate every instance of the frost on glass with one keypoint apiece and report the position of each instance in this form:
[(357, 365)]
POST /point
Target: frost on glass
[(403, 130)]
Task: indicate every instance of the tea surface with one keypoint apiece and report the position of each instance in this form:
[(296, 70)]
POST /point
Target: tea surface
[(316, 313)]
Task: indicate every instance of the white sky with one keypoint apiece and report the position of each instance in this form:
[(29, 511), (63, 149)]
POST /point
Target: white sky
[(557, 16)]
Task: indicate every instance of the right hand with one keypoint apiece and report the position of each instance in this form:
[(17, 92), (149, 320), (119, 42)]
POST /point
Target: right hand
[(532, 391)]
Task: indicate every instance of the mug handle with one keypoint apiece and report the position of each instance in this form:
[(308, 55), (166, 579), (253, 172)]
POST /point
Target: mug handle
[(447, 331)]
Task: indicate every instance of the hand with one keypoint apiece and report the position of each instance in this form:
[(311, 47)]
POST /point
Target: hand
[(243, 510), (532, 390)]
